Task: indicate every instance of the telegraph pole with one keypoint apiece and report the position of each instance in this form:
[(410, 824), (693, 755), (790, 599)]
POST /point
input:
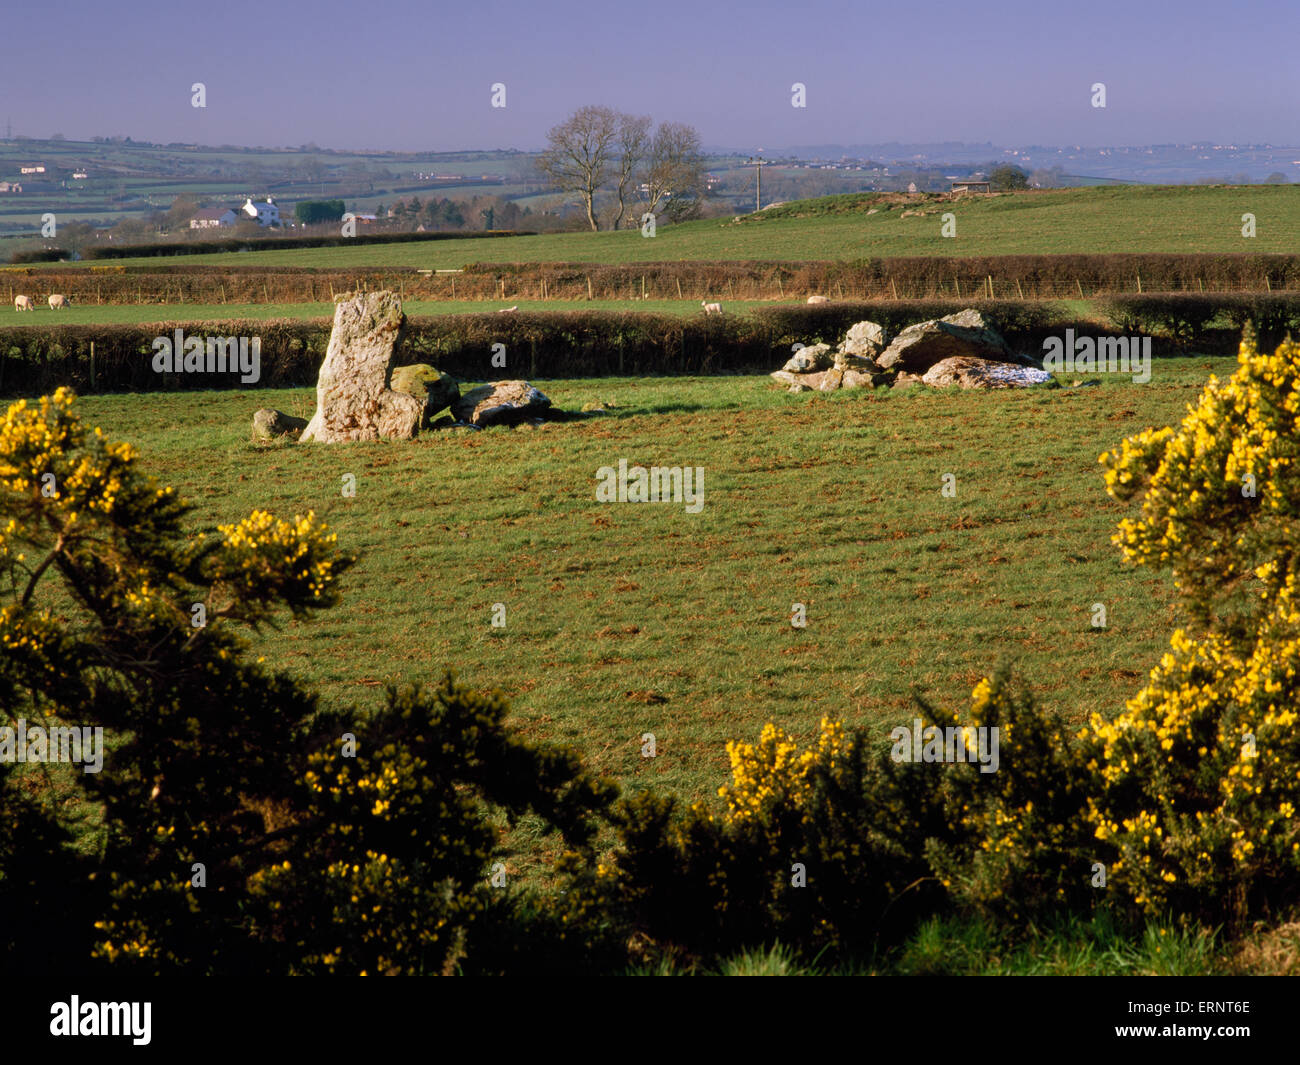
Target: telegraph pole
[(758, 165)]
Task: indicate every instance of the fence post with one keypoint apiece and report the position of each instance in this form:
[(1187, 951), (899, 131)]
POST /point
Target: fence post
[(679, 287), (893, 288), (588, 286), (956, 284), (1018, 290), (92, 366), (1079, 285), (1139, 277), (1266, 284)]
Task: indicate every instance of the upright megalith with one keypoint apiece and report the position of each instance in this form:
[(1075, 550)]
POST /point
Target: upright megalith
[(353, 397)]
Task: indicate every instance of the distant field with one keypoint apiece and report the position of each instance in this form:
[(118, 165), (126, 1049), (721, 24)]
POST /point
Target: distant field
[(645, 618), (1096, 220)]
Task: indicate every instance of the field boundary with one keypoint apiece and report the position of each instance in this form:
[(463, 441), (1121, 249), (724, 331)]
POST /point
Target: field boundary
[(1010, 277)]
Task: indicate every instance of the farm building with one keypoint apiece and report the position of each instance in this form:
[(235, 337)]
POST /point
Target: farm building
[(265, 214), (213, 217)]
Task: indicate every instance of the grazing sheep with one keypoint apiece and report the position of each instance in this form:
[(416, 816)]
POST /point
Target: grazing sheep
[(712, 308), (60, 301), (23, 303), (818, 299), (508, 310)]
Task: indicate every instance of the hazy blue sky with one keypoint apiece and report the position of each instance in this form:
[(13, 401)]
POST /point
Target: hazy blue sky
[(405, 75)]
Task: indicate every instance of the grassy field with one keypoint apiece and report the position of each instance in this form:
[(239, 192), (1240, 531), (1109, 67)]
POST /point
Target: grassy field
[(1173, 218), (625, 619)]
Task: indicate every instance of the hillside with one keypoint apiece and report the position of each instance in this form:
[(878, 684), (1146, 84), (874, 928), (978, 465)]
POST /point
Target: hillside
[(1170, 218)]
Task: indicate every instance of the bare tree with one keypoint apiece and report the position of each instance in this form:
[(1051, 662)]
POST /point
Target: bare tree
[(577, 157), (633, 144), (675, 170)]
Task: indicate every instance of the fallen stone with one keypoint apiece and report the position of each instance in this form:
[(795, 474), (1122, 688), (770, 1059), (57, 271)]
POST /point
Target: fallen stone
[(830, 380), (984, 374), (858, 379), (353, 397), (810, 359), (500, 403), (435, 389), (966, 334), (270, 424), (862, 363), (865, 338)]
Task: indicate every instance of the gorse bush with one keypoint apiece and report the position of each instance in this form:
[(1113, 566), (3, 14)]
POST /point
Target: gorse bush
[(232, 826), (1199, 778)]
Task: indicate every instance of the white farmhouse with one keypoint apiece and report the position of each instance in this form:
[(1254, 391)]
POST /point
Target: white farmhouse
[(265, 214)]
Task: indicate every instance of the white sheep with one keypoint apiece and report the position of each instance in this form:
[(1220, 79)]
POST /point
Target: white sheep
[(818, 299), (59, 301), (711, 308), (23, 303)]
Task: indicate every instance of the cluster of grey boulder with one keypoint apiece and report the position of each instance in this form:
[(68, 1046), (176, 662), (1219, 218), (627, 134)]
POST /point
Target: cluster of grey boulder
[(361, 396), (960, 349)]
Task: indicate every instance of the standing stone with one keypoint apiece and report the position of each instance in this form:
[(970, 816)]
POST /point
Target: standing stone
[(353, 397)]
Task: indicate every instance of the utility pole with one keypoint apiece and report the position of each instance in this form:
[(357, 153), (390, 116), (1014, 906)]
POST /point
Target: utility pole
[(758, 165)]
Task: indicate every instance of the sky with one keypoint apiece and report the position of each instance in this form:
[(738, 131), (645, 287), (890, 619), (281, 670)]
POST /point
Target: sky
[(407, 76)]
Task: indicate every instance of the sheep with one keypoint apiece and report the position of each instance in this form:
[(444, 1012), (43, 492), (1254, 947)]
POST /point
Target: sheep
[(59, 301), (712, 308), (508, 310), (818, 299), (23, 303)]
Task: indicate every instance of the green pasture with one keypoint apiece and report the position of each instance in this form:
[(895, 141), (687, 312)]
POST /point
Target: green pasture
[(1105, 219), (623, 619)]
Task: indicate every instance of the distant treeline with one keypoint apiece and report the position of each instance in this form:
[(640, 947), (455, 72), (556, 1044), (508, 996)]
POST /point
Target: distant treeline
[(35, 359), (918, 277), (237, 244)]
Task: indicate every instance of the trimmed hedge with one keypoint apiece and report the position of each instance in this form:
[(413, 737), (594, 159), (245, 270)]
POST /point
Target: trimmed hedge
[(1187, 318), (1015, 277), (552, 344)]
